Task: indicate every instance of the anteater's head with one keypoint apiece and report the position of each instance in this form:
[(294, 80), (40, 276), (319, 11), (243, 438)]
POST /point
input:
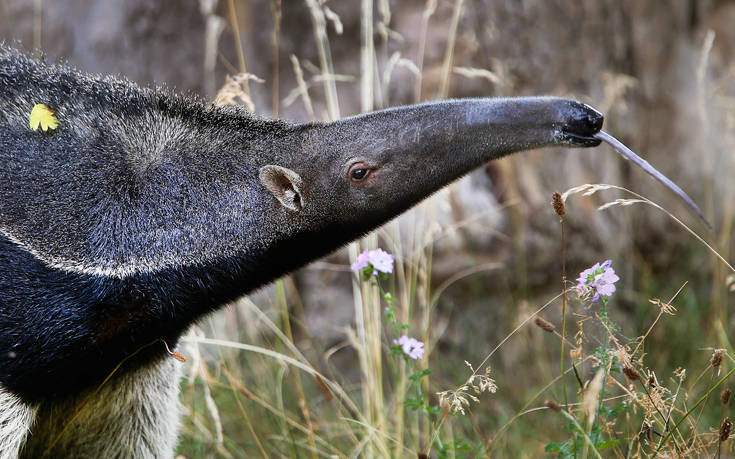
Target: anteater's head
[(361, 171)]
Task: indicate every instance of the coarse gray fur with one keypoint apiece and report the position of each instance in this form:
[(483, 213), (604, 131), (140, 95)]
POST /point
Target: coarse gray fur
[(144, 211), (138, 181)]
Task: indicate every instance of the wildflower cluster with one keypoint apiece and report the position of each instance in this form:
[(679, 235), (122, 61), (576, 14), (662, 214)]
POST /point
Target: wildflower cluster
[(411, 347), (373, 266), (378, 263), (598, 280), (373, 263)]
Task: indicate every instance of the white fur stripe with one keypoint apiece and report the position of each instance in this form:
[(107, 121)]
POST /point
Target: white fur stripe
[(16, 419), (74, 267)]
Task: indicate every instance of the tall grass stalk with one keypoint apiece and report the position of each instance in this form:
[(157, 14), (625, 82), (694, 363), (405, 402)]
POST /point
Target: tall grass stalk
[(235, 25), (425, 17), (333, 412), (449, 53), (37, 27), (286, 326), (276, 9), (367, 52), (325, 58), (559, 207)]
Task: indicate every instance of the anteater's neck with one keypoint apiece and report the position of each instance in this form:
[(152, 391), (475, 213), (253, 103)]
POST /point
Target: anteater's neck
[(92, 323)]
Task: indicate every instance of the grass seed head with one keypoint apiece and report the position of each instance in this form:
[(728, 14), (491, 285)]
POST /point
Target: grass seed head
[(544, 324), (444, 404), (725, 396), (652, 380), (725, 429), (551, 404), (716, 359), (631, 373), (558, 202)]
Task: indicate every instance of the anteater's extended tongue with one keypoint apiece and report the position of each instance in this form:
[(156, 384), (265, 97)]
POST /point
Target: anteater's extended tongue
[(627, 153)]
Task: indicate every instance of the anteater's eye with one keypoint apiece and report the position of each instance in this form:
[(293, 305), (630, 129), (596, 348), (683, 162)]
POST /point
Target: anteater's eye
[(358, 173)]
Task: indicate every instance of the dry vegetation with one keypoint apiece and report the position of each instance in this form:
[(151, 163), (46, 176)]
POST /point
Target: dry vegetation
[(571, 378)]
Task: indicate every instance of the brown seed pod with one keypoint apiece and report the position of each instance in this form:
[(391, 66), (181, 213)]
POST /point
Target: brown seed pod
[(725, 396), (631, 373), (544, 324), (551, 404), (716, 359), (558, 203), (725, 429)]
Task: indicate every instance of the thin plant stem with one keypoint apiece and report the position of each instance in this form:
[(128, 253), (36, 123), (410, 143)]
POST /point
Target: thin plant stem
[(231, 379), (425, 17), (671, 408), (367, 49), (276, 7), (303, 88), (588, 440), (699, 402), (701, 410), (303, 406), (524, 408), (563, 307), (37, 27), (325, 57), (97, 390), (449, 54), (664, 418), (521, 325), (660, 313), (645, 200), (235, 24)]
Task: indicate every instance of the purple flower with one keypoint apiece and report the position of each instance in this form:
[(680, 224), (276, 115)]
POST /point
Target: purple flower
[(378, 259), (600, 278), (412, 347)]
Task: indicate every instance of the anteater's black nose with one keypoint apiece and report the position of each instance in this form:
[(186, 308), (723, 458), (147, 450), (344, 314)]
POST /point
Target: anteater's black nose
[(582, 123), (591, 118)]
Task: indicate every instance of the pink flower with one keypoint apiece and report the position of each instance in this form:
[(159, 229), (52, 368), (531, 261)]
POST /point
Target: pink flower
[(600, 278), (380, 260), (412, 347)]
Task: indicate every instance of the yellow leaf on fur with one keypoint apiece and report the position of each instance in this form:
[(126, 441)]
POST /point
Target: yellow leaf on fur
[(43, 117)]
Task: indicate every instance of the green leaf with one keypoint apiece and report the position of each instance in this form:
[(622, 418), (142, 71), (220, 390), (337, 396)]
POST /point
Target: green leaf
[(414, 403), (607, 444), (416, 376), (554, 446)]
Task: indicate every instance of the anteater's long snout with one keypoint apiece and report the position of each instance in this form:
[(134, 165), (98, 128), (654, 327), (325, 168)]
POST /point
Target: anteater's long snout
[(415, 150), (583, 122), (447, 139), (492, 126)]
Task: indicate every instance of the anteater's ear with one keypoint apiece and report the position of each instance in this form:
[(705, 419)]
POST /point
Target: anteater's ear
[(285, 185)]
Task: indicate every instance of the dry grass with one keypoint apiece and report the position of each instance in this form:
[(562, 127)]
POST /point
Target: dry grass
[(583, 381)]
